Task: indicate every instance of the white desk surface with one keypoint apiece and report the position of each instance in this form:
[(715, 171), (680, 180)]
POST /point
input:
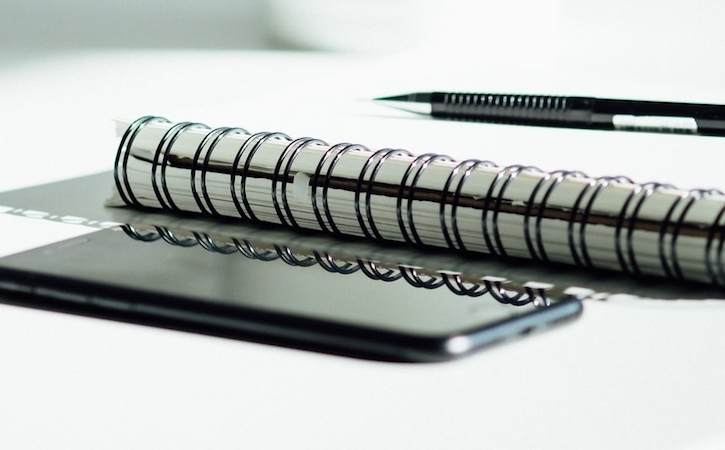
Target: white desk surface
[(628, 374)]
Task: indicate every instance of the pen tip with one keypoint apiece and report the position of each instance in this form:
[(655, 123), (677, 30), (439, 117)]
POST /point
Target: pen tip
[(415, 103), (393, 98), (410, 98)]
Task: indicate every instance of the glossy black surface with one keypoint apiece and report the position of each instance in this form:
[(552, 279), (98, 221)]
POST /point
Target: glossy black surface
[(108, 274)]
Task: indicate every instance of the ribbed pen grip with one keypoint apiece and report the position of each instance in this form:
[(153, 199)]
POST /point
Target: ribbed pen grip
[(534, 109)]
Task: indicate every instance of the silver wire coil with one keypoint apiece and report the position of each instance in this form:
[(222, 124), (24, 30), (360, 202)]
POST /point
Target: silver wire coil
[(532, 210)]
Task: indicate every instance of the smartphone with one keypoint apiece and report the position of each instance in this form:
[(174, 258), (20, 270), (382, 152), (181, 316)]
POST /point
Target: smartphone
[(272, 295)]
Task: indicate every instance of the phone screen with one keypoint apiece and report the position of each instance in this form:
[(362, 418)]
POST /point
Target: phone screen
[(271, 293)]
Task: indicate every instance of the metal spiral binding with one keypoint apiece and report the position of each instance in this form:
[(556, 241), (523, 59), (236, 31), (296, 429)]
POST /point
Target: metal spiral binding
[(120, 172), (248, 250), (247, 150), (338, 150), (163, 150), (455, 284), (207, 147), (287, 158), (470, 165), (494, 199), (579, 250), (416, 169), (375, 161), (371, 270), (538, 251), (493, 203), (714, 263), (412, 275), (414, 278), (286, 255), (327, 262), (208, 243), (716, 273), (495, 287), (674, 270), (170, 237), (627, 259)]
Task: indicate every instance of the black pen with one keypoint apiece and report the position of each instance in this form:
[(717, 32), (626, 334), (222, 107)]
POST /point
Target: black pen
[(568, 112)]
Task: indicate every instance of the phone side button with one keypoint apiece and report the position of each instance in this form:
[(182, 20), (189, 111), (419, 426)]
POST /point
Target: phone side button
[(15, 287), (109, 303), (58, 294)]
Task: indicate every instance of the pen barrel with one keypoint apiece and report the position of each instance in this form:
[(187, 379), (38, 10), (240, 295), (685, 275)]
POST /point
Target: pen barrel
[(513, 108), (581, 112), (661, 116)]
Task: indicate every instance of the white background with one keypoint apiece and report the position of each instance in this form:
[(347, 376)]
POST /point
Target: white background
[(629, 374)]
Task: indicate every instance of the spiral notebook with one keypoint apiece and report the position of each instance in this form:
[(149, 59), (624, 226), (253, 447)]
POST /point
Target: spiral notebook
[(79, 202), (426, 200)]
